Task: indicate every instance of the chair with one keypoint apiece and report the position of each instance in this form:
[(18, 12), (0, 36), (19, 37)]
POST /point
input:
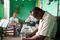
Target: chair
[(13, 31), (1, 33), (10, 32)]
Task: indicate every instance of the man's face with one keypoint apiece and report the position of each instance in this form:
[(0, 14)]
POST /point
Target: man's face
[(36, 15), (14, 15), (31, 13)]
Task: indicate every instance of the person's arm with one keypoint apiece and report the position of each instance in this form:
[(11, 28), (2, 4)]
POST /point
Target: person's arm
[(43, 26), (32, 34), (40, 37), (42, 33)]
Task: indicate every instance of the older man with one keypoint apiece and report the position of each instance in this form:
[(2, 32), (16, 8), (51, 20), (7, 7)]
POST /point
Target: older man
[(14, 21), (47, 26)]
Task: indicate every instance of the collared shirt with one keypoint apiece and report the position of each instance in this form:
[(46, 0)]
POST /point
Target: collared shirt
[(31, 18), (14, 20), (47, 26)]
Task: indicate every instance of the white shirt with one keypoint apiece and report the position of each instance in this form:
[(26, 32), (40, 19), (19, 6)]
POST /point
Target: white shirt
[(11, 20), (31, 18), (14, 20), (47, 26)]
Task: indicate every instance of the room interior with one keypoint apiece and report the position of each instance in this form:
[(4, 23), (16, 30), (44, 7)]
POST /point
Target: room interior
[(23, 8)]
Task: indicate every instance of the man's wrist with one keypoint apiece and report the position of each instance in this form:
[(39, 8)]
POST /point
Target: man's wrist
[(38, 37)]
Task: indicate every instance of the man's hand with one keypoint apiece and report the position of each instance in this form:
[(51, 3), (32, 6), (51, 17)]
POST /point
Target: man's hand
[(35, 37), (32, 34), (27, 39)]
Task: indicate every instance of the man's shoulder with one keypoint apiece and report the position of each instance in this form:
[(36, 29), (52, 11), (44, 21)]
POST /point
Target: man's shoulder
[(16, 18), (11, 17), (50, 15)]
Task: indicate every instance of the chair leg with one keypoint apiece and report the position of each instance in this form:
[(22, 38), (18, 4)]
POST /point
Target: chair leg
[(1, 37), (1, 34)]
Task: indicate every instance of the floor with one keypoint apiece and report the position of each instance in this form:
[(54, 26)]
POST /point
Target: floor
[(12, 38)]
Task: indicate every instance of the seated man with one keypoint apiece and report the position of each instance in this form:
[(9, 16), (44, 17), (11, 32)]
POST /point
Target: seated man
[(31, 18), (47, 26), (31, 21), (14, 22)]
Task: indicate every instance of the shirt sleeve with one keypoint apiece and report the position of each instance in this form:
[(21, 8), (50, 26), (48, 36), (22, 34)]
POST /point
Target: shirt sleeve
[(17, 20), (28, 19)]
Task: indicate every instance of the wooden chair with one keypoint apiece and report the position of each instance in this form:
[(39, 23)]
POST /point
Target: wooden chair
[(11, 32), (1, 33)]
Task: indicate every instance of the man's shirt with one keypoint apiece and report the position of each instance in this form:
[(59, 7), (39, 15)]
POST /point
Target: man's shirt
[(31, 18), (14, 20), (47, 26)]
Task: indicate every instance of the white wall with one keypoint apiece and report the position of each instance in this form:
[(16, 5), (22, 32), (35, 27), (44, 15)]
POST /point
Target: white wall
[(59, 9), (52, 8)]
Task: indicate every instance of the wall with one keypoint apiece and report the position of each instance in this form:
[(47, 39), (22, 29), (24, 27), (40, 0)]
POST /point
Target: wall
[(52, 8), (59, 9), (1, 11), (6, 8), (24, 11)]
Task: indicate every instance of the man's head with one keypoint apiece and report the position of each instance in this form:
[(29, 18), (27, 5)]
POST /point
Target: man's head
[(38, 13), (14, 14)]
